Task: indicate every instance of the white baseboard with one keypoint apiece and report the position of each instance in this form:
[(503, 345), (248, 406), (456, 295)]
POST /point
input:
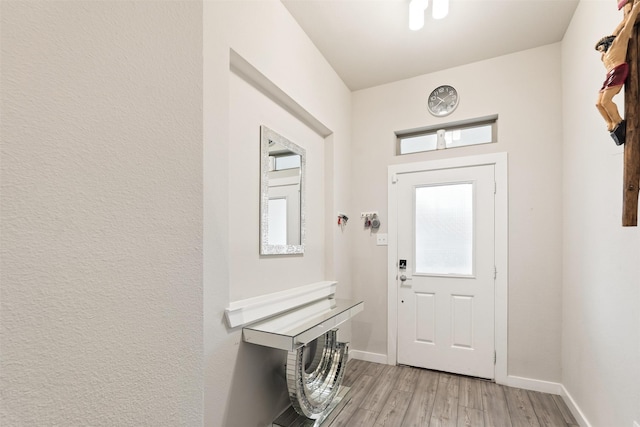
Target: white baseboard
[(551, 388), (368, 357), (533, 385), (575, 409)]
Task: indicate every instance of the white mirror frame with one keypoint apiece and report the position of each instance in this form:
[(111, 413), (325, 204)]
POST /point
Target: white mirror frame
[(267, 135)]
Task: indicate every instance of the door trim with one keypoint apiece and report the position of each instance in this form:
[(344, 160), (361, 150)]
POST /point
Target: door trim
[(395, 172)]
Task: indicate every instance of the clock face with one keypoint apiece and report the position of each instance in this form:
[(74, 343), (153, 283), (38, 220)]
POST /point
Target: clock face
[(443, 100)]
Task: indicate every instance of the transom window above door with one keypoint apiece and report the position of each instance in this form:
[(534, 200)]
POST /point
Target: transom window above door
[(459, 134)]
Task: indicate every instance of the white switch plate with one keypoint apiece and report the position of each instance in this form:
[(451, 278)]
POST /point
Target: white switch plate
[(381, 239)]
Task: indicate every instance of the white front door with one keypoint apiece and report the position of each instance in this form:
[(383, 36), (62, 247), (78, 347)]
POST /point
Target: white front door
[(446, 270)]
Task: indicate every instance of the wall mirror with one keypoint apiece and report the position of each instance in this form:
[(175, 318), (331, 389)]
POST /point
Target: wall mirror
[(282, 195)]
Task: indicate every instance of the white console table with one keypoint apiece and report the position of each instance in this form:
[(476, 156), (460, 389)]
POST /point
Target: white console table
[(293, 329)]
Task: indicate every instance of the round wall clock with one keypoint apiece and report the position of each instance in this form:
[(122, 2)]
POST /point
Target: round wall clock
[(443, 100)]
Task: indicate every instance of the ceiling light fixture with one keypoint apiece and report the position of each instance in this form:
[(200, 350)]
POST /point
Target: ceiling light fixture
[(416, 13), (440, 9)]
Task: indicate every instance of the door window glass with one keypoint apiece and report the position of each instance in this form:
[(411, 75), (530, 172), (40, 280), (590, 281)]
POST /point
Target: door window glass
[(444, 229)]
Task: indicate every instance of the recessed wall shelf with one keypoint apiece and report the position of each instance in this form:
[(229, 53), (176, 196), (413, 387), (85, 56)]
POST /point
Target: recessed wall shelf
[(246, 311)]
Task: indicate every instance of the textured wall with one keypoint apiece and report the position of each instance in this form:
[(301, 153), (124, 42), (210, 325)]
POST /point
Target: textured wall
[(101, 220), (251, 274), (601, 302), (266, 36)]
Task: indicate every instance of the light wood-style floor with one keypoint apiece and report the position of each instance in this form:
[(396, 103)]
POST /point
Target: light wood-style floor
[(397, 396)]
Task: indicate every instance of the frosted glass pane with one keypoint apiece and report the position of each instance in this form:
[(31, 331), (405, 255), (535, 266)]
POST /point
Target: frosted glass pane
[(415, 144), (469, 136), (444, 229), (277, 222)]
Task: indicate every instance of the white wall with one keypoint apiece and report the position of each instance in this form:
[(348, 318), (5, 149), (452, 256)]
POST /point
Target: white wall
[(101, 220), (524, 90), (601, 302), (248, 109), (244, 384)]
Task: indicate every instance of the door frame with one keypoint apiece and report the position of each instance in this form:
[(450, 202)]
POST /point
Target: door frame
[(395, 172)]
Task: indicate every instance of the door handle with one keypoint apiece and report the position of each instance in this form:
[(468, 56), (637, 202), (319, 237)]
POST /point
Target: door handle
[(404, 278)]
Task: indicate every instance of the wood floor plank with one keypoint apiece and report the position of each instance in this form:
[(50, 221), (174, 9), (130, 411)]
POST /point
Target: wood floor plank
[(354, 369), (407, 378), (379, 393), (420, 408), (520, 408), (361, 367), (445, 406), (373, 369), (564, 410), (342, 420), (359, 390), (546, 409), (361, 387), (363, 418), (383, 395), (496, 412), (394, 409), (470, 393), (365, 378), (470, 417)]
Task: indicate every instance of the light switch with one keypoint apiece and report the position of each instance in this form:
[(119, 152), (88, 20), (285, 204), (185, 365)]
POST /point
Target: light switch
[(381, 239)]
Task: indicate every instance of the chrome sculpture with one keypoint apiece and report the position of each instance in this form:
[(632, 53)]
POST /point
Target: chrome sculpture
[(314, 374)]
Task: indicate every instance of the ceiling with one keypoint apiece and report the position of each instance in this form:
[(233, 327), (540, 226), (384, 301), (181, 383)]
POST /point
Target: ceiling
[(368, 42)]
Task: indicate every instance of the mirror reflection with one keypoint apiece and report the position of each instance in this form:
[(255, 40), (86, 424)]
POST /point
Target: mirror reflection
[(282, 198)]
